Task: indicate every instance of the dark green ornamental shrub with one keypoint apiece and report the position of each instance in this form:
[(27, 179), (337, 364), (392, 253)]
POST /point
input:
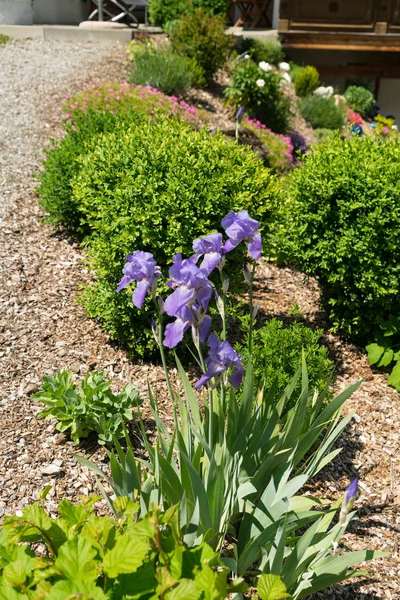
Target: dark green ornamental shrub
[(277, 352), (360, 99), (203, 39), (166, 12), (343, 226), (306, 81), (158, 187), (322, 113)]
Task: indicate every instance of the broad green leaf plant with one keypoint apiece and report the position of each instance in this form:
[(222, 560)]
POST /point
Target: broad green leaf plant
[(86, 557), (237, 458)]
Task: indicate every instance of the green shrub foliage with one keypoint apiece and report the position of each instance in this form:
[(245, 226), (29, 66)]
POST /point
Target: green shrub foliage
[(277, 352), (91, 408), (270, 52), (80, 555), (61, 164), (204, 40), (360, 99), (97, 109), (165, 71), (266, 103), (157, 187), (306, 81), (321, 113), (163, 12), (344, 226)]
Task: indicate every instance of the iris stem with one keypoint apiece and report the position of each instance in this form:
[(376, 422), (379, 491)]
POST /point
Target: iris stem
[(164, 361), (251, 306)]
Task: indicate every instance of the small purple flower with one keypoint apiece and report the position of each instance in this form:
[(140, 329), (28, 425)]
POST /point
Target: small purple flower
[(298, 142), (186, 318), (141, 267), (190, 284), (240, 113), (240, 227), (349, 498), (210, 247), (221, 356), (351, 493)]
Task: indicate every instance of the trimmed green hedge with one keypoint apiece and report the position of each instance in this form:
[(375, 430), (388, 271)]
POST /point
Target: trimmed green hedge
[(342, 225)]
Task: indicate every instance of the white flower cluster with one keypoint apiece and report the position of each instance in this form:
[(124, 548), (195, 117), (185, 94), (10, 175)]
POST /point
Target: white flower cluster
[(325, 92), (284, 66), (260, 82), (264, 66)]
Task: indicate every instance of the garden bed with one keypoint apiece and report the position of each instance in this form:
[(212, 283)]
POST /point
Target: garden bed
[(43, 329)]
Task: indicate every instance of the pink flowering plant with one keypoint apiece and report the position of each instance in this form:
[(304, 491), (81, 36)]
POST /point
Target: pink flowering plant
[(236, 458), (117, 97), (279, 147)]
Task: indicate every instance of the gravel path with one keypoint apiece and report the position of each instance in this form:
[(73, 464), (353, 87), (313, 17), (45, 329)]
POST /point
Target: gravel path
[(42, 328)]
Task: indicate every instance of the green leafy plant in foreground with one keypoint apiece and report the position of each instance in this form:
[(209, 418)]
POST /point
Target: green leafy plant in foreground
[(4, 39), (92, 407), (87, 557), (386, 349)]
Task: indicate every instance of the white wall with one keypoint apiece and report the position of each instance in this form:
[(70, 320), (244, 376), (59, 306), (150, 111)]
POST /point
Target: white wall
[(16, 12), (389, 98)]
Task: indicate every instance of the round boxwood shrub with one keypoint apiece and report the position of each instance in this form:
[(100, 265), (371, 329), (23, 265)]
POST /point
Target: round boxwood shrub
[(360, 99), (321, 112), (157, 187), (203, 39), (343, 227), (278, 353), (306, 81)]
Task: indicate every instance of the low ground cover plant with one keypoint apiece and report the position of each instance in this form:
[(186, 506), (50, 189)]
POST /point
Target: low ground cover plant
[(306, 81), (321, 112), (92, 407), (258, 89), (279, 148), (158, 185), (342, 226), (164, 70), (360, 99), (202, 39), (4, 38), (235, 461), (94, 558)]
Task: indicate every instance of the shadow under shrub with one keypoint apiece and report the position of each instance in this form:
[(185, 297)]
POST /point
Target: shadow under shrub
[(158, 187), (321, 113), (342, 226)]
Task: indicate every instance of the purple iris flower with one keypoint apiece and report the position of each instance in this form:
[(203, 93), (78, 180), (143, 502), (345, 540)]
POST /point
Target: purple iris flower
[(141, 267), (186, 318), (221, 356), (240, 227), (190, 284), (210, 247), (351, 493), (240, 113), (349, 498)]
